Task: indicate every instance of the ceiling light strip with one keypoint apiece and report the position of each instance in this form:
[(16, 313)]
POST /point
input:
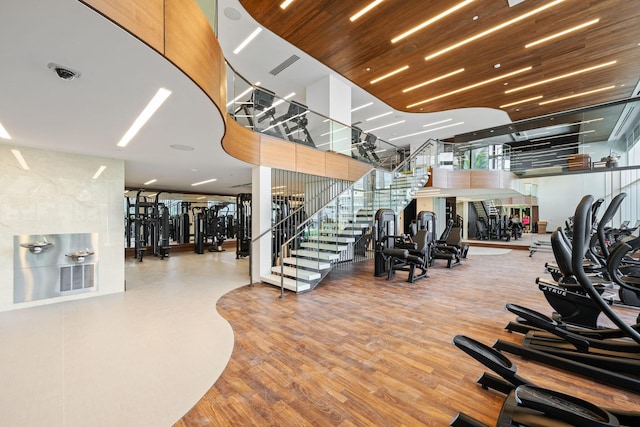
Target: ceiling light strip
[(425, 131), (161, 95), (360, 107), (203, 182), (3, 133), (249, 89), (285, 3), (430, 21), (150, 182), (522, 101), (379, 115), (444, 76), (563, 76), (385, 126), (436, 123), (365, 9), (246, 41), (562, 33), (575, 95), (18, 155), (98, 172), (562, 136), (503, 76), (493, 29), (575, 123), (399, 70)]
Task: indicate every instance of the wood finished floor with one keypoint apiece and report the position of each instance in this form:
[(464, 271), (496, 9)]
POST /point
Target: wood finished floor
[(364, 351)]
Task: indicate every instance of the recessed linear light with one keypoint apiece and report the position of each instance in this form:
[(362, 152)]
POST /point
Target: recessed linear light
[(493, 29), (203, 182), (522, 101), (285, 3), (99, 172), (242, 94), (575, 123), (18, 155), (161, 95), (379, 115), (562, 136), (150, 182), (275, 104), (399, 70), (575, 95), (522, 70), (444, 76), (246, 41), (201, 197), (562, 76), (562, 33), (362, 106), (430, 21), (365, 9), (425, 131), (436, 123), (3, 133), (385, 126)]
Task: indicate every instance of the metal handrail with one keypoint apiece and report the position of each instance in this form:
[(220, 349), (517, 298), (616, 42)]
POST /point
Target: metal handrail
[(427, 144), (282, 221)]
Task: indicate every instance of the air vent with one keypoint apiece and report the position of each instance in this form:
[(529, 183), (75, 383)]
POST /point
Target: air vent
[(624, 121), (76, 277), (241, 185), (285, 64)]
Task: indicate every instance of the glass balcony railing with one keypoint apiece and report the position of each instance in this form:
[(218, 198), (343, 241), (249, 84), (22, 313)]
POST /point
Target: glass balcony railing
[(265, 112), (341, 230), (591, 139)]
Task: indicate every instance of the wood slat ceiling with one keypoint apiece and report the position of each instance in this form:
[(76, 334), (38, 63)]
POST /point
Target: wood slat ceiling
[(322, 29)]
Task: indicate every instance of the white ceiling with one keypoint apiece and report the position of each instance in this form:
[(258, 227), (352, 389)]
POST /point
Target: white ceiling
[(89, 115), (267, 51), (119, 75)]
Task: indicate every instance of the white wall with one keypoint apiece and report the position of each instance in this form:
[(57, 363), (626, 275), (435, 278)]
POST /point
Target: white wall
[(558, 196), (57, 195)]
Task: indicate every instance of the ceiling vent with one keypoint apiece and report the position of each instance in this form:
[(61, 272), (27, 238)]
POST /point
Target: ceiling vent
[(285, 64), (248, 184)]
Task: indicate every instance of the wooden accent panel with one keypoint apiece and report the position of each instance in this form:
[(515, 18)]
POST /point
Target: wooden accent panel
[(357, 169), (337, 165), (310, 160), (459, 179), (438, 178), (241, 143), (192, 46), (323, 30), (485, 179), (362, 350), (142, 18), (276, 153)]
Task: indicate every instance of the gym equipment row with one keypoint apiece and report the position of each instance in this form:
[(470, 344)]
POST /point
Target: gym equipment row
[(147, 221), (570, 340), (416, 250)]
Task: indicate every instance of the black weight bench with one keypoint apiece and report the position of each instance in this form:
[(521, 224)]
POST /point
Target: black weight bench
[(414, 255)]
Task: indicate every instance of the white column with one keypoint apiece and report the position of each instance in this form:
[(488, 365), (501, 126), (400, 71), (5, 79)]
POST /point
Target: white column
[(260, 221), (332, 98)]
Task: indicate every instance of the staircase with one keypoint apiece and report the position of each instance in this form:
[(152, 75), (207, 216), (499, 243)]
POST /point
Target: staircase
[(340, 231)]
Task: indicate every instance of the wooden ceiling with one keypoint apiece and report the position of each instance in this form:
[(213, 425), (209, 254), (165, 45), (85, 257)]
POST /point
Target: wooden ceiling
[(362, 50)]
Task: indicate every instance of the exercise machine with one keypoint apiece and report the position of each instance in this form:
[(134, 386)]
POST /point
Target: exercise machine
[(151, 226), (243, 227)]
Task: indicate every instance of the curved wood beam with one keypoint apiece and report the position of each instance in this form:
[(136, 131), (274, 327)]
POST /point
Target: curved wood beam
[(180, 32)]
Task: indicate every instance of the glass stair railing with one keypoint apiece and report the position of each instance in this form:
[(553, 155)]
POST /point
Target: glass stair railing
[(341, 231)]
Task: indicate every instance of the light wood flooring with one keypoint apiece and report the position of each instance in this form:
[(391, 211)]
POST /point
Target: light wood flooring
[(364, 351)]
